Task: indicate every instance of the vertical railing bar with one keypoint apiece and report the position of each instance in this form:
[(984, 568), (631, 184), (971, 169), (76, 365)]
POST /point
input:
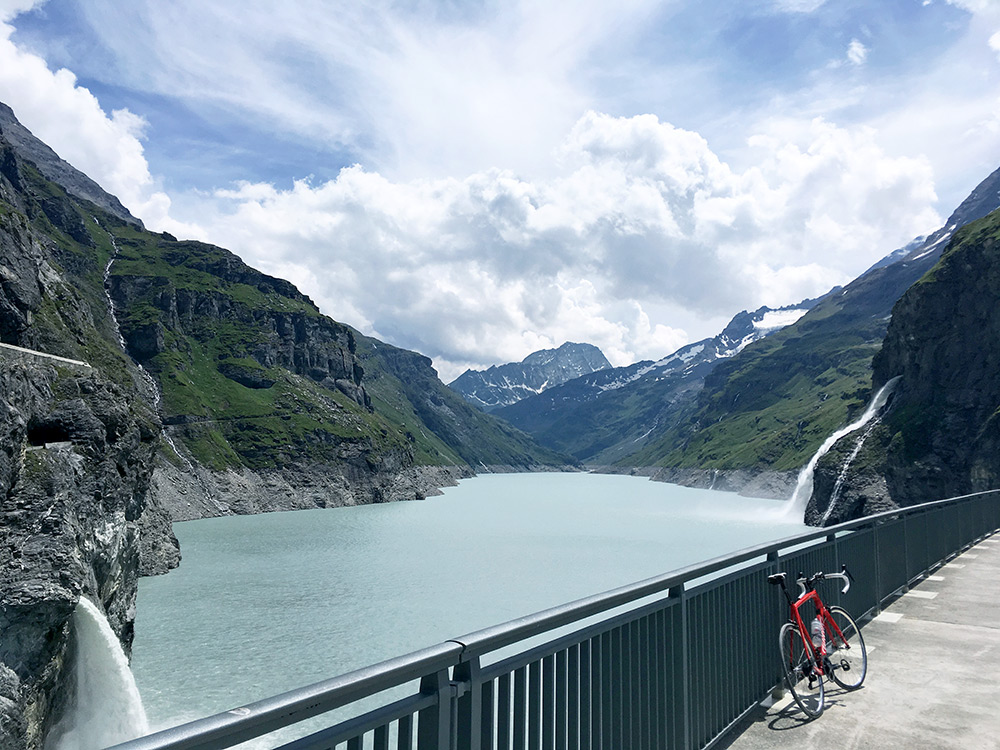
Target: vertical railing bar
[(653, 679), (588, 688), (520, 708), (575, 709), (614, 679), (642, 665), (381, 739), (534, 705), (662, 674), (608, 740), (404, 733), (503, 712), (562, 699), (678, 593), (548, 702), (487, 723), (629, 686)]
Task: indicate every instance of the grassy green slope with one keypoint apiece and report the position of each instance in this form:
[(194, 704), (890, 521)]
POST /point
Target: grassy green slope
[(772, 405), (206, 325), (443, 427)]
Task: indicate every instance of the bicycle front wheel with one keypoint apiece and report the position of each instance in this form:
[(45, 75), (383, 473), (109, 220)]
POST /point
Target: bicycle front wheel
[(804, 682), (846, 650)]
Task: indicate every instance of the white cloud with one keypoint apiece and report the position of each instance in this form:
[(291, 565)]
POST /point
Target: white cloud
[(995, 43), (857, 53), (642, 216), (70, 120), (974, 6), (637, 236), (412, 90)]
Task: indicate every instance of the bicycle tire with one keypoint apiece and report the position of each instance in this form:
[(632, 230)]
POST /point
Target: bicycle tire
[(804, 683), (849, 657)]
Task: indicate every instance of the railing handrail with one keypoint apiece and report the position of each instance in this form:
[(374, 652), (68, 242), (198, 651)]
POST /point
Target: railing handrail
[(497, 636), (261, 717), (268, 714)]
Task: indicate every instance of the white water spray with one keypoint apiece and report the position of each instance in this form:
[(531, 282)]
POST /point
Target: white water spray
[(105, 708), (842, 476), (796, 506)]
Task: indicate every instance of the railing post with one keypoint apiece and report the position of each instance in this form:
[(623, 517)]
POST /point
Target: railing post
[(778, 692), (677, 592), (878, 572), (434, 722), (469, 713)]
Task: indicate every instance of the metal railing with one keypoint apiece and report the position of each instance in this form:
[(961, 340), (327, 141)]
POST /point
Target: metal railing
[(695, 652)]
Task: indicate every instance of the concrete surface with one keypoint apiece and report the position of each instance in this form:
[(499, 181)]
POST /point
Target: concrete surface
[(933, 672)]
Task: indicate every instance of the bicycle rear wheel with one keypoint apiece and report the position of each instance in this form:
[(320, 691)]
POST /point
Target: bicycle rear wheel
[(847, 654), (804, 682)]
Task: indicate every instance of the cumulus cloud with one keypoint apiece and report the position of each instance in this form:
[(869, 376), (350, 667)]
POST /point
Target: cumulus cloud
[(637, 236), (70, 119), (642, 216)]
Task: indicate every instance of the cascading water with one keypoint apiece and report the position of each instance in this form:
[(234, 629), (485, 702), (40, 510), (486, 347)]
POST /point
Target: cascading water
[(105, 707), (796, 506), (151, 386), (842, 476)]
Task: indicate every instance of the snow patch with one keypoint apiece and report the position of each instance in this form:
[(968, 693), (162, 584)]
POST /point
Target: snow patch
[(775, 319)]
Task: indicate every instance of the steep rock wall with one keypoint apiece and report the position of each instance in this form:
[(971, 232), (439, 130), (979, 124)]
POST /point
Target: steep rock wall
[(941, 434)]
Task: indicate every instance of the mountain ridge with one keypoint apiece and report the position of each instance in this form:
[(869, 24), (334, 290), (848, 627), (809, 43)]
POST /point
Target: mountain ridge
[(603, 418), (503, 385)]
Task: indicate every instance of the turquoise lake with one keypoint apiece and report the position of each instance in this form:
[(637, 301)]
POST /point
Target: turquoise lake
[(263, 604)]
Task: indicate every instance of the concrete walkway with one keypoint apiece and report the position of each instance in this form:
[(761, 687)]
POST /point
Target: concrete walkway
[(933, 672)]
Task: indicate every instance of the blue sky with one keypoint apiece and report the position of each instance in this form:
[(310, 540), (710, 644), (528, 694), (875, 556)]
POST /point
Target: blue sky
[(480, 180)]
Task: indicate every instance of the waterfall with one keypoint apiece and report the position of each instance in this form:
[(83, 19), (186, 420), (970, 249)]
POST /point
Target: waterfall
[(796, 505), (146, 377), (105, 707), (844, 467)]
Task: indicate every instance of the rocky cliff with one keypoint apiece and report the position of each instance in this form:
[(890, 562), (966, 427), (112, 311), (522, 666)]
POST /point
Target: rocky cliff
[(76, 455), (940, 436)]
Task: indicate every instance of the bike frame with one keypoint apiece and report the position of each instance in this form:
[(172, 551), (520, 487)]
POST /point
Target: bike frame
[(830, 627)]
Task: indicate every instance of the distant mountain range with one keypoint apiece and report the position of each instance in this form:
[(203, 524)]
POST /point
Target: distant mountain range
[(503, 385), (604, 417)]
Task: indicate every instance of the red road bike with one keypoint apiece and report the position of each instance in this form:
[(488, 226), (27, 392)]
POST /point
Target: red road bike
[(831, 646)]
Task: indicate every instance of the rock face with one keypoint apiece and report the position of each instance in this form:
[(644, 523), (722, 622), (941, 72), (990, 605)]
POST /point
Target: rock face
[(503, 385), (940, 437), (76, 455), (52, 167)]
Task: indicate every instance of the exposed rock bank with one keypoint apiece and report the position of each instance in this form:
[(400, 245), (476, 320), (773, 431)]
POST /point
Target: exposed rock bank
[(770, 485)]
